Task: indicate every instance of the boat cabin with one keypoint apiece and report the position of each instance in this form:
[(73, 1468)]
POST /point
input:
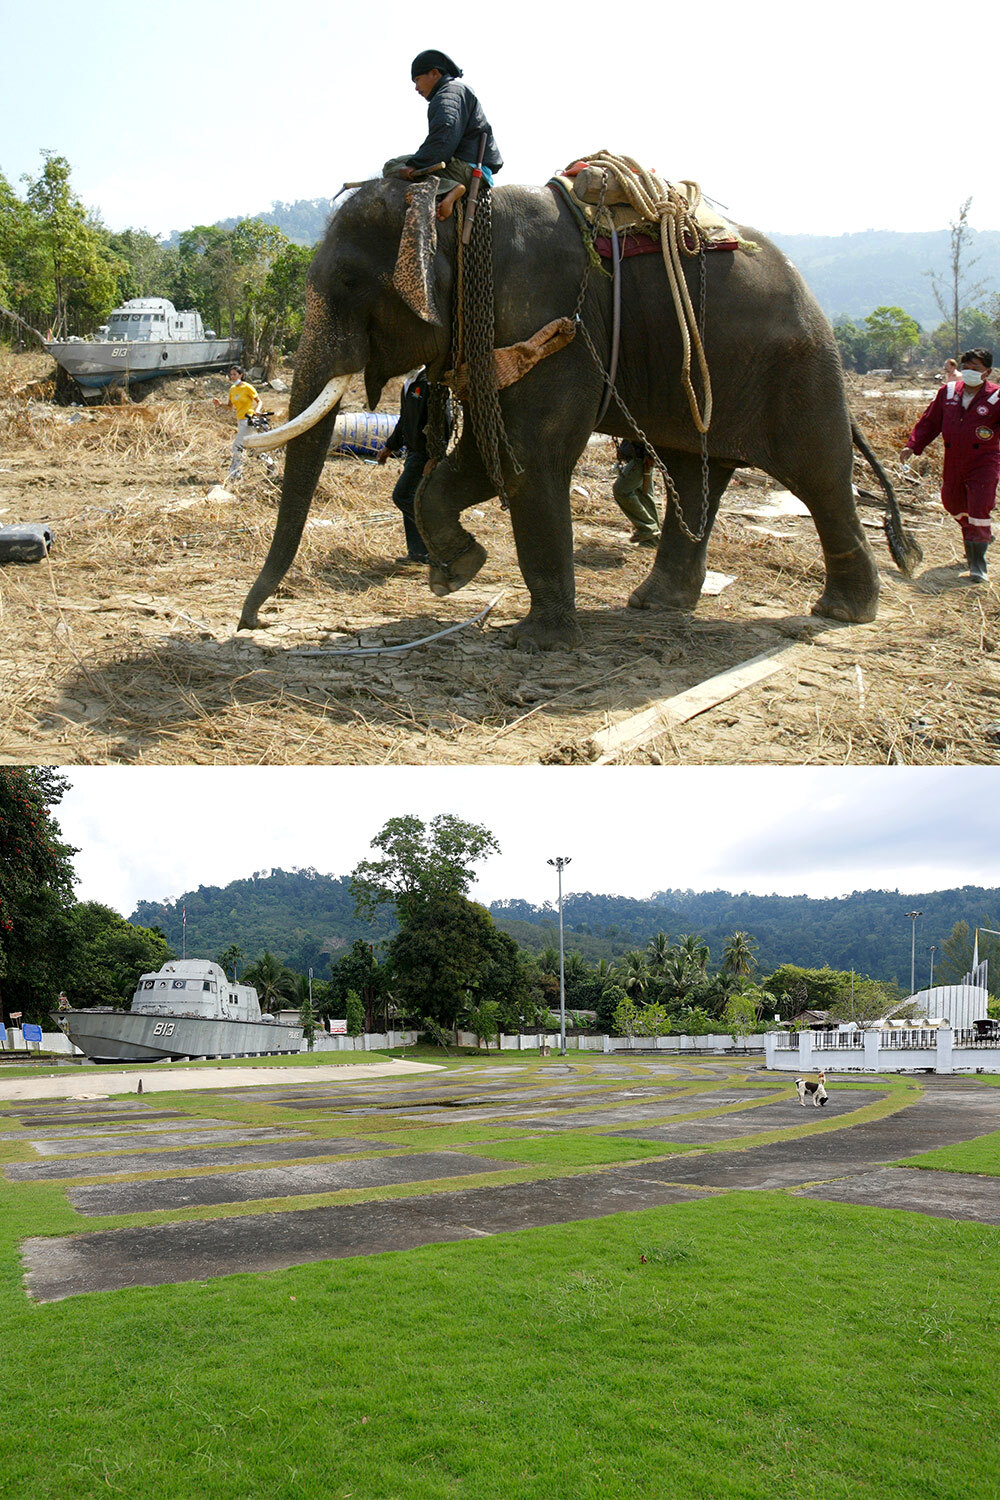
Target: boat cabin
[(148, 319), (193, 987)]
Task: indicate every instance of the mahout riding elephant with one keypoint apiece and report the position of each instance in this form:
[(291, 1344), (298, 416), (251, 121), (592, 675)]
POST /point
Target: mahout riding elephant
[(379, 301)]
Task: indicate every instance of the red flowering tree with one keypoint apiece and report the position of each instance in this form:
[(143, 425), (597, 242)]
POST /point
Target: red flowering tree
[(36, 889)]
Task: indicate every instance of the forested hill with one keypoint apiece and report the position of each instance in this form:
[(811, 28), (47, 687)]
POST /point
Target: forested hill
[(849, 274), (302, 917), (868, 931), (306, 918)]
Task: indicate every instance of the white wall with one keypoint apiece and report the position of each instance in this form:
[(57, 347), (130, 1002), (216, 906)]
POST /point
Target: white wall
[(915, 1051)]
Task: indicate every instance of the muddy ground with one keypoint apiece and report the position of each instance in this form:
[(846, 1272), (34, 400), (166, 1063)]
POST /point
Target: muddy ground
[(123, 646)]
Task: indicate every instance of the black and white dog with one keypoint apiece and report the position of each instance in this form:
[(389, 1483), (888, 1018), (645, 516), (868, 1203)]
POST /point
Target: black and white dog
[(817, 1089)]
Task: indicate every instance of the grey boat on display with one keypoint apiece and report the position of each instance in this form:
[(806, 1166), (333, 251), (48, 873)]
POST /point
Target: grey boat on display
[(187, 1009), (142, 339)]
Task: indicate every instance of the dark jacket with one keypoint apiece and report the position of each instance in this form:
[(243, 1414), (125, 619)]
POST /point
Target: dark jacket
[(410, 432), (455, 121)]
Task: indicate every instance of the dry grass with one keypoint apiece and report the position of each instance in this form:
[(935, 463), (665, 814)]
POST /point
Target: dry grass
[(123, 647)]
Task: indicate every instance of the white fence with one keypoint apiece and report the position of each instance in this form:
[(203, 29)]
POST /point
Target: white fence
[(382, 1041), (896, 1050)]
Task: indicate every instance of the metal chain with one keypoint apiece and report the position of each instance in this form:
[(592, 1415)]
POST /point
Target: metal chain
[(637, 431), (483, 399)]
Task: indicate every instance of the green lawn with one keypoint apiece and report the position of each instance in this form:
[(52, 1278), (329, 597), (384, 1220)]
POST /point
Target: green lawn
[(981, 1155), (743, 1347), (763, 1349)]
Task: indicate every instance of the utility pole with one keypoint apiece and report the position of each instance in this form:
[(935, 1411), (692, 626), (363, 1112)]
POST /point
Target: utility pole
[(913, 915), (560, 863), (930, 985)]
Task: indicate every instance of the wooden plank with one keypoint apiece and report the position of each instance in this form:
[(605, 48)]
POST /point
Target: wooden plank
[(638, 729)]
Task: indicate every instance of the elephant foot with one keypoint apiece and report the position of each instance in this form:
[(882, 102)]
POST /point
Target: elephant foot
[(835, 606), (446, 580), (537, 632), (659, 592), (851, 590)]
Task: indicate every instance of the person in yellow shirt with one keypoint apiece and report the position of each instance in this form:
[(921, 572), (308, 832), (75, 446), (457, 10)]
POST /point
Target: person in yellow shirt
[(245, 401)]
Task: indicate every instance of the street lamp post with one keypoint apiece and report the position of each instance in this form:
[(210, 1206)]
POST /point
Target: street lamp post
[(560, 863), (913, 915)]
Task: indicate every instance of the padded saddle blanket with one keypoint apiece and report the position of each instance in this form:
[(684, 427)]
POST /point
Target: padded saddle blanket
[(580, 184)]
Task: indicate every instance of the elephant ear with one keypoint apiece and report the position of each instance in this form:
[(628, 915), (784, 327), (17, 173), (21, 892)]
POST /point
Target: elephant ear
[(413, 277)]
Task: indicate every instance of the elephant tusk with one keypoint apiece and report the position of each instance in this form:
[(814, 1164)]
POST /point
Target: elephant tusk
[(331, 394)]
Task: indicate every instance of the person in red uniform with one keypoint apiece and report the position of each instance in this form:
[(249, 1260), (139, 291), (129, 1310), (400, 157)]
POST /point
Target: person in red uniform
[(965, 413)]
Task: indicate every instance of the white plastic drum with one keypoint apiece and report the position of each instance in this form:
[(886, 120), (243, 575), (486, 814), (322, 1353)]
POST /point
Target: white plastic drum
[(362, 434)]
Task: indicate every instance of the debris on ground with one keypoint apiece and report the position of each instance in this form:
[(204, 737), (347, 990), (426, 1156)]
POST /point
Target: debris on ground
[(131, 654)]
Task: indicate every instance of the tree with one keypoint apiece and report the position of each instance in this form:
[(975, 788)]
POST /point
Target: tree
[(658, 950), (484, 1022), (891, 332), (958, 950), (738, 957), (83, 269), (611, 998), (976, 329), (633, 974), (271, 979), (441, 958), (853, 343), (419, 863), (229, 959), (695, 950), (625, 1020), (307, 1020), (281, 305), (354, 1012), (36, 881), (149, 268), (104, 956), (952, 293), (360, 971), (743, 1009)]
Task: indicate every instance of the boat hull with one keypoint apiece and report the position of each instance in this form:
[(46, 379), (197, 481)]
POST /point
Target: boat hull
[(95, 365), (127, 1036)]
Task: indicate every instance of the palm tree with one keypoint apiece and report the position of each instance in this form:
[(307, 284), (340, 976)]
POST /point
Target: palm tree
[(634, 975), (229, 958), (695, 949), (659, 950), (271, 979), (738, 957), (548, 960)]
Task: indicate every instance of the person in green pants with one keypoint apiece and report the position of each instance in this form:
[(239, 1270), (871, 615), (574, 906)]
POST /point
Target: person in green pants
[(633, 492)]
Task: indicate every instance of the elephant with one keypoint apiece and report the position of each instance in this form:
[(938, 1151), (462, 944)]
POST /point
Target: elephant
[(376, 305)]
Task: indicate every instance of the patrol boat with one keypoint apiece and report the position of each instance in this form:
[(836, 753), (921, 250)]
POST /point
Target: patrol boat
[(144, 338), (186, 1009)]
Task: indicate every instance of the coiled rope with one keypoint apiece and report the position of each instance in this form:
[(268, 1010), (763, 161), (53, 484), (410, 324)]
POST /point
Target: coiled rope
[(659, 202)]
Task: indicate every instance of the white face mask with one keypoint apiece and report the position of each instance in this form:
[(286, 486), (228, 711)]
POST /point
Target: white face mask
[(971, 377)]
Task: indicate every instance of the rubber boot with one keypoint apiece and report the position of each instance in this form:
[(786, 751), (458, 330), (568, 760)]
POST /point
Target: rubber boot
[(976, 553)]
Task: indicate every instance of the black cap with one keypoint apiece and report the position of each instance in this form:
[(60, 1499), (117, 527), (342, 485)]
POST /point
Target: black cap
[(424, 61)]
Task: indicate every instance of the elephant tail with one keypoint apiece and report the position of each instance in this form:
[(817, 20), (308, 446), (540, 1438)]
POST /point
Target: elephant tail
[(906, 552)]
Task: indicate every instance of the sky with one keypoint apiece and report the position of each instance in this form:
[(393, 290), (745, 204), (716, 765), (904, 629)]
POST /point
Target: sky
[(797, 118), (153, 833)]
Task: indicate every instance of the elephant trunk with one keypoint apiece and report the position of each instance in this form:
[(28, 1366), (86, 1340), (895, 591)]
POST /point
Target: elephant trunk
[(312, 412)]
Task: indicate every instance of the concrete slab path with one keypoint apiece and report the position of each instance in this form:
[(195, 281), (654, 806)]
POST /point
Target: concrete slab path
[(943, 1195), (779, 1116), (230, 1133), (113, 1259), (125, 1163), (278, 1182)]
